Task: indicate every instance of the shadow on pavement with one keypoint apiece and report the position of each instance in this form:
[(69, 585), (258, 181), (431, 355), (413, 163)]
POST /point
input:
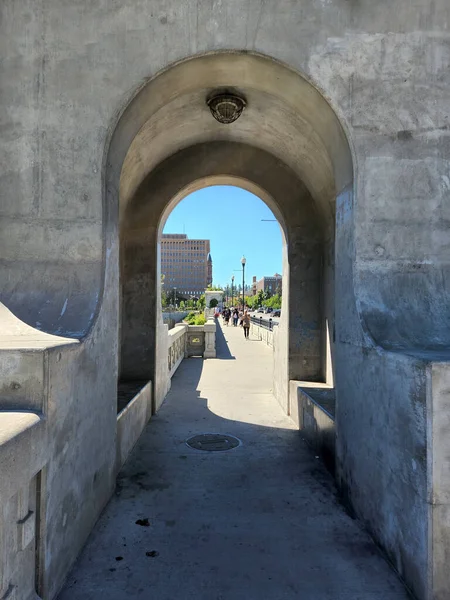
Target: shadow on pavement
[(222, 349), (262, 520)]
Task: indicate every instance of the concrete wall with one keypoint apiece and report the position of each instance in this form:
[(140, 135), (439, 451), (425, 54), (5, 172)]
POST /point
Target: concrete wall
[(41, 461), (177, 347), (68, 73), (162, 380), (131, 422), (312, 408), (278, 338), (138, 306), (172, 318), (160, 192)]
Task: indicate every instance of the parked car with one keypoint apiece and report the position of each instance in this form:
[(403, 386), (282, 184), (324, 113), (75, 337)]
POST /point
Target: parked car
[(276, 313), (269, 309), (260, 310)]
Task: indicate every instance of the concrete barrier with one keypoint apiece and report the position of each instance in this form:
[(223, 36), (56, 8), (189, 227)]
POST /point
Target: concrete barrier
[(131, 422), (177, 348), (29, 454), (172, 318), (312, 408)]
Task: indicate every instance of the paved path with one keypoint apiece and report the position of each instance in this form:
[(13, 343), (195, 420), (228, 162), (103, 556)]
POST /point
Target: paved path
[(261, 522)]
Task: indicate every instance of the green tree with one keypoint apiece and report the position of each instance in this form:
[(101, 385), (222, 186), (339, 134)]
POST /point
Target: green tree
[(214, 288), (255, 302), (182, 305), (249, 301), (274, 302), (259, 299)]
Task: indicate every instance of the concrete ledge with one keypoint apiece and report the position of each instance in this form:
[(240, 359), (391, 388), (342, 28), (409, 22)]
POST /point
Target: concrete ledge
[(17, 335), (23, 447), (312, 408), (178, 331), (24, 363), (131, 422)]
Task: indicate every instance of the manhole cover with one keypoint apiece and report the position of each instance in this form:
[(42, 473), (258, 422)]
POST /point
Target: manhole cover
[(213, 442)]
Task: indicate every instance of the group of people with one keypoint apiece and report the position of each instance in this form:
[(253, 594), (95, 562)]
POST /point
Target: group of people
[(238, 317)]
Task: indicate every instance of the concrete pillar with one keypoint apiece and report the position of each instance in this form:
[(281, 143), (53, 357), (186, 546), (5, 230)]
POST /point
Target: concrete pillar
[(305, 313), (281, 340), (210, 339), (162, 380), (139, 296), (438, 459)]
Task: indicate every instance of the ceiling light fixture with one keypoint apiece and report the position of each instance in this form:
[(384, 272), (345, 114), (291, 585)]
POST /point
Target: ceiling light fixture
[(225, 107)]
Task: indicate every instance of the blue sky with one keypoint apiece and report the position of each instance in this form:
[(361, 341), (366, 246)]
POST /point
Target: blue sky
[(231, 218)]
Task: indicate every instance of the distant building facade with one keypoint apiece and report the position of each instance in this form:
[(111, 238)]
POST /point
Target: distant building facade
[(186, 265), (273, 284)]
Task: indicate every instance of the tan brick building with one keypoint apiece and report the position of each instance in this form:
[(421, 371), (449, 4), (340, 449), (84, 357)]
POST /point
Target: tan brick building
[(186, 265)]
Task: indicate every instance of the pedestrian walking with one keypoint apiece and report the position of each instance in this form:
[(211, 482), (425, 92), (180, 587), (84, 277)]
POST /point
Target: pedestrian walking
[(235, 317), (246, 324), (227, 315)]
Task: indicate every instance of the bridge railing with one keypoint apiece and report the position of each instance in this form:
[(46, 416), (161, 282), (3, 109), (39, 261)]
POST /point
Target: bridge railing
[(177, 347), (264, 323), (263, 329), (191, 340)]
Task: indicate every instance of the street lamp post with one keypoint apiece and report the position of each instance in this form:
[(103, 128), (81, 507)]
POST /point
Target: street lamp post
[(232, 296), (243, 261)]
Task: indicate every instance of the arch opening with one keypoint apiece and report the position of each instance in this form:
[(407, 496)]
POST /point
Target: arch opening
[(288, 147), (202, 241)]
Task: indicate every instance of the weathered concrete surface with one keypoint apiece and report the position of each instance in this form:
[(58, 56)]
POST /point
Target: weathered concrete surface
[(69, 69), (131, 422), (438, 453), (312, 408), (210, 329), (204, 164), (261, 521)]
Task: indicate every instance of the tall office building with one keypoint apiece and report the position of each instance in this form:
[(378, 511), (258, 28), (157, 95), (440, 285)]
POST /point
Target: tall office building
[(186, 265)]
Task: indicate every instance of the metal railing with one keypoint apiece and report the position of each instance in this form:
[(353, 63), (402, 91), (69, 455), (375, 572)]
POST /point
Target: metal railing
[(264, 323)]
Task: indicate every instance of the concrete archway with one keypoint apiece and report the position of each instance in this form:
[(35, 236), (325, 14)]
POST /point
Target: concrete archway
[(195, 167), (289, 144)]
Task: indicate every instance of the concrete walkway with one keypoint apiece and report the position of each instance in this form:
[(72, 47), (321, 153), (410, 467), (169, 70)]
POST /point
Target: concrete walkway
[(260, 522)]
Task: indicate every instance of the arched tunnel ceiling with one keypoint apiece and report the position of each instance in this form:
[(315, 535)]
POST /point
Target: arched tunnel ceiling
[(204, 164), (285, 116)]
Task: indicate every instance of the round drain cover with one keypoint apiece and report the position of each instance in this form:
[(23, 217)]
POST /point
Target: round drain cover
[(213, 442)]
